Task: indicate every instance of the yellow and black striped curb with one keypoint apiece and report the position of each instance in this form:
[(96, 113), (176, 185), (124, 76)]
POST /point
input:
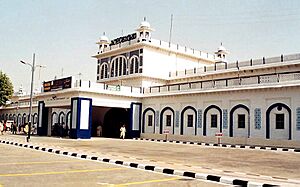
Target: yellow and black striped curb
[(170, 171), (270, 148)]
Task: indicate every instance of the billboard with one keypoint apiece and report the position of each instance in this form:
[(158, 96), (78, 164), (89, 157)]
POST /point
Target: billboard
[(58, 84)]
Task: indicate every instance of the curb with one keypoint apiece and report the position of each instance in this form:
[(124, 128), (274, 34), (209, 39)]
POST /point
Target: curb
[(268, 148), (170, 171)]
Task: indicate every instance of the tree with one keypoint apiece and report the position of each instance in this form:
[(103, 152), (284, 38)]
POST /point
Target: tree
[(6, 88)]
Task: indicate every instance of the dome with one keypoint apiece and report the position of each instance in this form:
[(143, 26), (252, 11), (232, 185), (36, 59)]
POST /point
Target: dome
[(221, 48), (104, 38), (145, 24)]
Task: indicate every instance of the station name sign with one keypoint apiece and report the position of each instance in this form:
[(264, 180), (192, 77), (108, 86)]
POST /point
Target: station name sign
[(123, 39), (58, 84)]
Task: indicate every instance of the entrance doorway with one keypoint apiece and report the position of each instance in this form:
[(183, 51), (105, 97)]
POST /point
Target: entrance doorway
[(110, 120)]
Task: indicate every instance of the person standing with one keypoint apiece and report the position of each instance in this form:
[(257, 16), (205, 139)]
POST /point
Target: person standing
[(123, 131), (4, 126), (26, 129), (99, 130), (1, 127), (60, 130), (14, 128)]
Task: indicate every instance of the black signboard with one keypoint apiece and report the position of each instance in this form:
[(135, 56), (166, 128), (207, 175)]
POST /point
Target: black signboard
[(58, 84), (47, 86), (123, 39)]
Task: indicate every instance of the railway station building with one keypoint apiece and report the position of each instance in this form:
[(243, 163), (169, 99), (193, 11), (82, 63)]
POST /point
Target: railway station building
[(153, 87)]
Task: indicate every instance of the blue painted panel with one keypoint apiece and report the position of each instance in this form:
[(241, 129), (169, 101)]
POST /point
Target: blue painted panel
[(199, 118), (257, 118), (225, 118), (81, 133), (177, 119), (42, 128), (298, 119)]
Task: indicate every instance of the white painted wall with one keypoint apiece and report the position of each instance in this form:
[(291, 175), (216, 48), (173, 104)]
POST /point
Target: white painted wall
[(158, 63), (257, 98)]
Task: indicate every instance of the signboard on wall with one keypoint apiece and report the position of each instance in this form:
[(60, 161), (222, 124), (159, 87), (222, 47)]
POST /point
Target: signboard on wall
[(123, 39), (58, 84)]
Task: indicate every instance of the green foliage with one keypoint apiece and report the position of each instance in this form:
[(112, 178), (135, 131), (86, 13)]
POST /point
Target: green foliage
[(6, 88)]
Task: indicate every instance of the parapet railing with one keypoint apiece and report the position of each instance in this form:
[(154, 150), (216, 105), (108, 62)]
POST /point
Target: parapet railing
[(21, 103), (239, 81), (236, 65), (105, 87), (165, 45)]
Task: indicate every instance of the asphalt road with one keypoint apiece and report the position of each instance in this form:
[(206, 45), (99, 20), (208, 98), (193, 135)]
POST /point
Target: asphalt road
[(26, 167), (254, 165)]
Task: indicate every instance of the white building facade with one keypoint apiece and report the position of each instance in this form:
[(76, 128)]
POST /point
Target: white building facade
[(155, 86)]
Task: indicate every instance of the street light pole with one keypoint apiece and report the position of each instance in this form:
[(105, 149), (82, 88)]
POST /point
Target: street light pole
[(31, 94)]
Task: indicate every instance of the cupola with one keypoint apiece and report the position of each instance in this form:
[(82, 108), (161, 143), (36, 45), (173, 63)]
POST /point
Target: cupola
[(144, 31), (103, 43), (221, 53)]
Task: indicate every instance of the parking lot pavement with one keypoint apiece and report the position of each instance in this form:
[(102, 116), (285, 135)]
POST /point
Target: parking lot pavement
[(28, 167), (254, 165)]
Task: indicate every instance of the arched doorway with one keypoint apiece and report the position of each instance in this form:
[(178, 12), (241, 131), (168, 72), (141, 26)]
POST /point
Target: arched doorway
[(215, 125), (242, 113), (167, 121), (188, 121), (54, 124), (148, 125), (113, 120), (279, 132)]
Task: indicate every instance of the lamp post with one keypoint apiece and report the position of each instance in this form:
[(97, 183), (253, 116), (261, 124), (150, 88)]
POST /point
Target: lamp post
[(31, 93)]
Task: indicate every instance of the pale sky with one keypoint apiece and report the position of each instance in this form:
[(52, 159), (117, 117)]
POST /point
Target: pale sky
[(62, 33)]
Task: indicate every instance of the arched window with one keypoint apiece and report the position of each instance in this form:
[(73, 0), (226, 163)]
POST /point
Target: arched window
[(104, 71), (112, 68), (15, 118), (131, 68), (24, 119), (68, 119), (61, 118), (134, 64), (124, 66), (54, 118), (35, 118), (19, 120), (118, 66)]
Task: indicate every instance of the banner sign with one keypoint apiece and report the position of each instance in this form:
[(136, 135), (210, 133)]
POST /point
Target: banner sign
[(113, 88), (58, 84), (123, 39)]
